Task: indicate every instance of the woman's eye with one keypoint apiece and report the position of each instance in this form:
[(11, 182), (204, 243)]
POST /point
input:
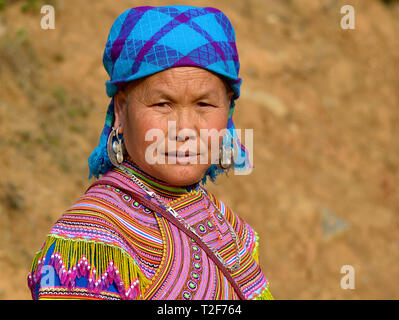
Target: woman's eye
[(161, 104), (203, 104)]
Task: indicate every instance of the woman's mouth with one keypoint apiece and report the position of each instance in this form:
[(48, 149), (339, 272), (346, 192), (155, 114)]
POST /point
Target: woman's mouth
[(181, 157)]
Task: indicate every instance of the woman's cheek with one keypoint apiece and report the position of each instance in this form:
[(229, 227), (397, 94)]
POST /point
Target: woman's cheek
[(152, 142)]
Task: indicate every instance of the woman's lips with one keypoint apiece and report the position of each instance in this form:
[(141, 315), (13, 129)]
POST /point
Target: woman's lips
[(181, 157), (180, 154)]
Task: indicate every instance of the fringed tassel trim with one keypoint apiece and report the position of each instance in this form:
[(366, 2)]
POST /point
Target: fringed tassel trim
[(100, 263), (265, 294)]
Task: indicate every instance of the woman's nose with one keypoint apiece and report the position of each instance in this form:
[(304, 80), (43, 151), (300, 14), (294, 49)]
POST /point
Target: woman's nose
[(185, 125), (186, 134)]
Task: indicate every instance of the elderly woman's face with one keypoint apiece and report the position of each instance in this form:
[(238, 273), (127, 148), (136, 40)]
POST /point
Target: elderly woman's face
[(179, 103)]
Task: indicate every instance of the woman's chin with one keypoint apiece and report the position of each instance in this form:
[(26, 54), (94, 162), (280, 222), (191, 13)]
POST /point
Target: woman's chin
[(179, 174)]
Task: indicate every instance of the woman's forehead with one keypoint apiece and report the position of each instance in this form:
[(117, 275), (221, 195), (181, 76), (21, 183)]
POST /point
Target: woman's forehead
[(190, 80), (177, 75)]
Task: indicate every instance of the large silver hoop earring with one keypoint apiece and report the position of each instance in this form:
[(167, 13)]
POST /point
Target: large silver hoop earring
[(226, 157), (115, 149)]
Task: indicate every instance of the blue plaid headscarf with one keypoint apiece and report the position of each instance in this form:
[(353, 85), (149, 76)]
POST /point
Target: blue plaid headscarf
[(145, 40)]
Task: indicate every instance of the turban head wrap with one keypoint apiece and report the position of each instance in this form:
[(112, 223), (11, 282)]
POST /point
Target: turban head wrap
[(146, 40)]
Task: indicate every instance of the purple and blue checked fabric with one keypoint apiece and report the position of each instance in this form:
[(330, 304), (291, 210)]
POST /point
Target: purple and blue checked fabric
[(146, 40)]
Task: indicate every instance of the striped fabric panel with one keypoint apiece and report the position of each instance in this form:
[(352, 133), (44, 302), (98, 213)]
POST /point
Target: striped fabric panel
[(173, 265), (96, 217), (250, 277), (62, 293)]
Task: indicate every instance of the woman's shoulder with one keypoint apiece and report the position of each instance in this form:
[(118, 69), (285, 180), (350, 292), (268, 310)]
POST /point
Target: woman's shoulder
[(244, 230), (105, 215), (99, 232), (249, 239)]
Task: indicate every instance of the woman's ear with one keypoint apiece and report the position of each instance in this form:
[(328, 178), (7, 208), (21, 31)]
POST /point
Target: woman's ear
[(230, 95), (120, 109)]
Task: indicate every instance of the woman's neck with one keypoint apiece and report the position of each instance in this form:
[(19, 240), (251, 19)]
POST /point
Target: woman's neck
[(157, 185)]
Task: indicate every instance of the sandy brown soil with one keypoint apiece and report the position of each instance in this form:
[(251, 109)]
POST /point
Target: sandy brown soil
[(323, 103)]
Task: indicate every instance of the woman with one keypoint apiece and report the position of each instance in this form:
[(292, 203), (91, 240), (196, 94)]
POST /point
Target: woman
[(147, 229)]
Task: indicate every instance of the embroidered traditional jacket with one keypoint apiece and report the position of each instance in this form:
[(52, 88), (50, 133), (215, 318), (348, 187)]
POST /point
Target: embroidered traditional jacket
[(109, 246)]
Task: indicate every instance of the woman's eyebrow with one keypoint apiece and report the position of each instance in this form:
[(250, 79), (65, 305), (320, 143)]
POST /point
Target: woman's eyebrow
[(205, 95), (161, 94), (164, 95)]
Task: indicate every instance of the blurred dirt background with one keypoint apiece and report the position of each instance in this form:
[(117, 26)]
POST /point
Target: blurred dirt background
[(323, 103)]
